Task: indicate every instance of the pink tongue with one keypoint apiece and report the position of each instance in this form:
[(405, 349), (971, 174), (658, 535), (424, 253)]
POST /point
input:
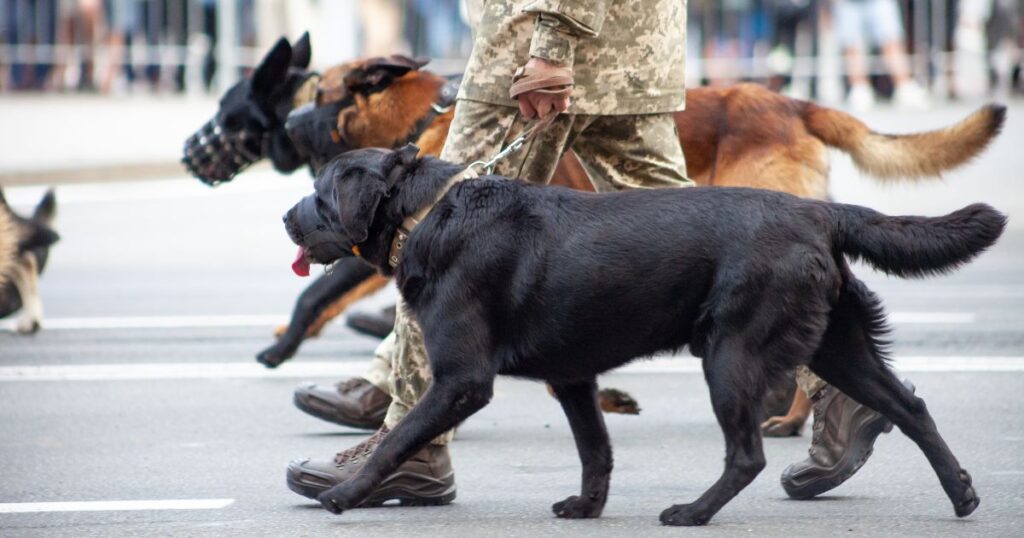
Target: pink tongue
[(301, 266)]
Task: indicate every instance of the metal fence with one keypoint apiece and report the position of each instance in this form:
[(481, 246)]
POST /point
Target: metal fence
[(201, 45)]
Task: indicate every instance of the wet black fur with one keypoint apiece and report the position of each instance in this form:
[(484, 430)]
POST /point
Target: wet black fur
[(509, 278)]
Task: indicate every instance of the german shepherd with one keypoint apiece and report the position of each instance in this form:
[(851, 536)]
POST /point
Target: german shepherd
[(754, 282), (24, 250)]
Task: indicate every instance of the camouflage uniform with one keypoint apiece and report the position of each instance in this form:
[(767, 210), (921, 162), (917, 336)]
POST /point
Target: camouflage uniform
[(628, 58)]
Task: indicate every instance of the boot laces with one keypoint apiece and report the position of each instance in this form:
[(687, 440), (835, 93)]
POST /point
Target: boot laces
[(362, 450)]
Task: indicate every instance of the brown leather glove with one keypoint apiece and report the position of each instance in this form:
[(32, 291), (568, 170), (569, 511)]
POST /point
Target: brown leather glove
[(541, 87)]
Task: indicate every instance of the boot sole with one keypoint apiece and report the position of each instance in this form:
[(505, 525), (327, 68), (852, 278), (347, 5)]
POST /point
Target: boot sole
[(322, 411), (859, 453), (433, 492)]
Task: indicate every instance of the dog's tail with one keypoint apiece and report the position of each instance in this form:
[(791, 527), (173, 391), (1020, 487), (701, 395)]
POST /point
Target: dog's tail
[(909, 156), (916, 246)]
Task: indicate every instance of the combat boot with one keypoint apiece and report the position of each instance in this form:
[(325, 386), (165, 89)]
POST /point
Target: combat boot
[(356, 403), (379, 325), (844, 437), (426, 479)]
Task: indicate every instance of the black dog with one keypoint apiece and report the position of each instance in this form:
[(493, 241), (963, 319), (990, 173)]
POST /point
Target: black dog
[(24, 249), (754, 282)]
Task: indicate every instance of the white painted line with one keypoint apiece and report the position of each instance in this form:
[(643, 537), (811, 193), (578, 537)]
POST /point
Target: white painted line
[(339, 369), (248, 369), (163, 322), (931, 317), (272, 320), (114, 506)]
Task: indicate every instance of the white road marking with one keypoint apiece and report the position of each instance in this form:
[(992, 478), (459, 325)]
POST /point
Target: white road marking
[(271, 320), (114, 506), (163, 322), (338, 369)]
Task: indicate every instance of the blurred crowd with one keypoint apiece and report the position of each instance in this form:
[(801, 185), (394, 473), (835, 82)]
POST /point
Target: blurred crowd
[(911, 51)]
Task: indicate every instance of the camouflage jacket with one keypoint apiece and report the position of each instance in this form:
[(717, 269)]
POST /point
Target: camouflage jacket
[(628, 56)]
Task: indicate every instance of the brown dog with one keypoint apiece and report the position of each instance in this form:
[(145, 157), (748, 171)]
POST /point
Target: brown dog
[(744, 135)]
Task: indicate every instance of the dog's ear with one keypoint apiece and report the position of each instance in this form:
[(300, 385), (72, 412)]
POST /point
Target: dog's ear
[(381, 72), (357, 194), (273, 68), (407, 155), (302, 51), (46, 209)]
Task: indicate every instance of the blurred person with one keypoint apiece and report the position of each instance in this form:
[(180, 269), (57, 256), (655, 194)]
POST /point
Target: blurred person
[(623, 132), (28, 23), (863, 24), (789, 16), (382, 24), (439, 31), (78, 27)]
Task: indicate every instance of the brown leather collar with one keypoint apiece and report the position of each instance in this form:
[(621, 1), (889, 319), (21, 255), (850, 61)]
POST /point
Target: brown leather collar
[(410, 222)]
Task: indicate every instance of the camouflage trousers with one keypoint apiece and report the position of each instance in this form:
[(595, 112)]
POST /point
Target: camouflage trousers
[(808, 382), (617, 152)]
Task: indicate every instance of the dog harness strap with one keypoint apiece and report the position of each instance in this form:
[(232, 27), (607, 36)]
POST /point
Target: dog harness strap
[(444, 102), (410, 222)]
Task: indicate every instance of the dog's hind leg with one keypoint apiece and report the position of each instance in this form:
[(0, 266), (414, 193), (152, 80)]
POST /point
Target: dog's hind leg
[(579, 401), (849, 359), (736, 386), (347, 274)]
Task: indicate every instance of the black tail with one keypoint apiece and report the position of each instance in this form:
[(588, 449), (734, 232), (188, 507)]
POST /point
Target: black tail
[(916, 246)]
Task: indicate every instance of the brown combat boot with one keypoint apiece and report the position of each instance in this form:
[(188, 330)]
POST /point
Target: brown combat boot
[(356, 403), (426, 479), (379, 325), (844, 437)]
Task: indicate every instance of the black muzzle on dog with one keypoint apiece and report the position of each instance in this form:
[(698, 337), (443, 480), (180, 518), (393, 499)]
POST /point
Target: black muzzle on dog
[(314, 131), (215, 155), (307, 227)]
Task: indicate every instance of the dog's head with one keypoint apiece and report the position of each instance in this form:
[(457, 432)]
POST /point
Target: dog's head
[(362, 104), (339, 215), (249, 124), (33, 234)]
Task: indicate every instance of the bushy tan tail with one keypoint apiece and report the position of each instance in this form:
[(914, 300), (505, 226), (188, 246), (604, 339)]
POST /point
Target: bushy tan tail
[(909, 156)]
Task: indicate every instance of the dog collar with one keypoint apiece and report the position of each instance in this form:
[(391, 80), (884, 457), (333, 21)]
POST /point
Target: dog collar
[(410, 222), (445, 101)]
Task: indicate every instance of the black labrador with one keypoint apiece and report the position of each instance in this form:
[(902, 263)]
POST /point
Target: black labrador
[(509, 278)]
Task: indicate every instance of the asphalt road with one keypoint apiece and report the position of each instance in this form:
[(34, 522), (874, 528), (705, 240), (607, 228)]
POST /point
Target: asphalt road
[(142, 387)]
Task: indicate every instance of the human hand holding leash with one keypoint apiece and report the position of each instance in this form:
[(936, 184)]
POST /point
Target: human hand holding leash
[(541, 87)]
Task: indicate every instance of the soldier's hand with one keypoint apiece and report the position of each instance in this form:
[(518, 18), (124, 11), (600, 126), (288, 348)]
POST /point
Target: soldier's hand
[(538, 103)]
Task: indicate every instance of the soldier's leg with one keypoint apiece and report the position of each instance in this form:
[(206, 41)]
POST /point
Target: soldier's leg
[(358, 402), (632, 151), (479, 131)]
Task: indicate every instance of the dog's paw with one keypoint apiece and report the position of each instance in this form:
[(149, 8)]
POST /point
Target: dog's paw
[(617, 401), (280, 330), (28, 326), (969, 499), (684, 515), (335, 500), (781, 427), (576, 507)]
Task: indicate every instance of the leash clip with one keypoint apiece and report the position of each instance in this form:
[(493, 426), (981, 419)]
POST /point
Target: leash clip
[(487, 167)]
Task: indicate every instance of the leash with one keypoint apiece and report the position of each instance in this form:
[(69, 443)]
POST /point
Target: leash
[(487, 167)]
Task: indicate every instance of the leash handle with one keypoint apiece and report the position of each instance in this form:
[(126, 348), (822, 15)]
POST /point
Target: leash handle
[(518, 142)]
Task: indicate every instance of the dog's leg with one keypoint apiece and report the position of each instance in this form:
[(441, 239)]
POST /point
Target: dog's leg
[(736, 394), (793, 420), (26, 280), (849, 360), (452, 398), (347, 274), (579, 401)]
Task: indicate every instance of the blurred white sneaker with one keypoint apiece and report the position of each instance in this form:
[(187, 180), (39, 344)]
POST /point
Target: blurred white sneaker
[(911, 95), (861, 97)]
